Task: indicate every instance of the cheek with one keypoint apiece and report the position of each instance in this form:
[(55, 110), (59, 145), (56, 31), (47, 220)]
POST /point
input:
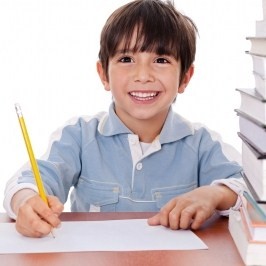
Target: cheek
[(172, 83), (118, 80)]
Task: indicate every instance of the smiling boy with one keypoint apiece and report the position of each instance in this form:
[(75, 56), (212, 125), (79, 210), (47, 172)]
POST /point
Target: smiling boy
[(141, 155)]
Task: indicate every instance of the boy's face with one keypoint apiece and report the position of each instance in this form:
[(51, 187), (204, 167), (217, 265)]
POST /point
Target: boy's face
[(143, 84)]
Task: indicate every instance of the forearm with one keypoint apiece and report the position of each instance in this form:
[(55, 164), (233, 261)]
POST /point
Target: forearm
[(237, 185)]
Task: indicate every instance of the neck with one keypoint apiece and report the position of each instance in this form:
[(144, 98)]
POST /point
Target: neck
[(147, 132), (146, 129)]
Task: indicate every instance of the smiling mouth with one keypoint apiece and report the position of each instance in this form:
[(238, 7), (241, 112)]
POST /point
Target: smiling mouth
[(143, 96)]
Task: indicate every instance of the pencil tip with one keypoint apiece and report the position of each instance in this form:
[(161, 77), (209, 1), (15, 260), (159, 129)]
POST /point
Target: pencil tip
[(52, 233)]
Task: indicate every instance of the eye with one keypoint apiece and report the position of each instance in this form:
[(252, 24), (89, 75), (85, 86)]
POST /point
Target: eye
[(162, 60), (126, 59)]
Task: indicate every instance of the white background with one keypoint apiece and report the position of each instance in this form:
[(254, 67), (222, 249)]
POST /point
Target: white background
[(48, 53)]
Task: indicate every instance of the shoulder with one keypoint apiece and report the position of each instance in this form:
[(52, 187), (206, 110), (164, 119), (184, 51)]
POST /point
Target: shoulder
[(212, 137), (85, 121), (77, 126)]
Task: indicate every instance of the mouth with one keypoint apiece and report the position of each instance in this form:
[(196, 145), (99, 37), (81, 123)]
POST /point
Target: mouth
[(143, 96)]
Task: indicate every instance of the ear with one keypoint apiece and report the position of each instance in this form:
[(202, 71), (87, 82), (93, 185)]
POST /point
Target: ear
[(186, 79), (102, 75)]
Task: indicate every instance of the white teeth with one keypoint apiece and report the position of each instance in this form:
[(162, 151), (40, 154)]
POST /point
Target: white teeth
[(143, 94)]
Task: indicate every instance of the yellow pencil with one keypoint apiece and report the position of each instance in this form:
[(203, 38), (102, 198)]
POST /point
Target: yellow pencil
[(33, 161)]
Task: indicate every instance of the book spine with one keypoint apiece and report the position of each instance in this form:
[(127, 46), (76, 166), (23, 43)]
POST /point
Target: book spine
[(260, 28), (258, 210), (264, 9)]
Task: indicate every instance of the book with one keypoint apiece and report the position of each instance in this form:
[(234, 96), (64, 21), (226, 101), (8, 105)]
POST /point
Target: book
[(254, 166), (254, 218), (253, 131), (254, 232), (251, 189), (253, 104), (252, 253), (264, 9), (258, 45), (254, 207), (260, 84), (254, 151), (260, 28), (259, 64)]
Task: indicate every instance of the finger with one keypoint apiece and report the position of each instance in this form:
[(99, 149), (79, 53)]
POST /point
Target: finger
[(176, 213), (174, 219), (165, 216), (162, 218), (199, 219), (55, 205), (186, 217), (30, 224), (44, 212), (154, 220), (36, 228)]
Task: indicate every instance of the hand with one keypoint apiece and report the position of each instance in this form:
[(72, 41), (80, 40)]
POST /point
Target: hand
[(193, 208), (36, 219)]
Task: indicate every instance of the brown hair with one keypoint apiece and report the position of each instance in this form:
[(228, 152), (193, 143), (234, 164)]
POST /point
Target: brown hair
[(160, 28)]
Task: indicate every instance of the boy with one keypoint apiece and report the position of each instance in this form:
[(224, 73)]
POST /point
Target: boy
[(140, 156)]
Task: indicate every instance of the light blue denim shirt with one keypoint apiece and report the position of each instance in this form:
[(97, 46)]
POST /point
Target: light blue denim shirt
[(103, 161)]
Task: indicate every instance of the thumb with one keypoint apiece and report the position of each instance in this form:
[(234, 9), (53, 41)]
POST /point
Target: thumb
[(55, 205)]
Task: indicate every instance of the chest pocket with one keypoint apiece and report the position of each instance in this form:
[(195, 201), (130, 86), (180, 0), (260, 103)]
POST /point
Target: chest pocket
[(162, 195), (99, 195)]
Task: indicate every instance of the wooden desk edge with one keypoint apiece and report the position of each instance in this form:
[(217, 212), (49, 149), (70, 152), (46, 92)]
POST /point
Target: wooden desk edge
[(214, 233)]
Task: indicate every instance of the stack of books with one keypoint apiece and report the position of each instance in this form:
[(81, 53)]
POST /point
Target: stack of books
[(258, 53), (248, 226), (252, 115), (248, 230)]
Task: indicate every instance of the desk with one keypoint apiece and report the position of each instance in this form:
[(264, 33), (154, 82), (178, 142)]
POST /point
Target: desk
[(215, 234)]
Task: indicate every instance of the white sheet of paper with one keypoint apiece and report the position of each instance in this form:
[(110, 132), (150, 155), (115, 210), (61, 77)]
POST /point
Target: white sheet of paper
[(111, 235)]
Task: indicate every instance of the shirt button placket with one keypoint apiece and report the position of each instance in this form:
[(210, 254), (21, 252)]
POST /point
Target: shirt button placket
[(139, 166)]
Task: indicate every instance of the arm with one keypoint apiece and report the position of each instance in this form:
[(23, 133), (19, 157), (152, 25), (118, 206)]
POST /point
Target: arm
[(213, 193), (58, 168), (194, 207)]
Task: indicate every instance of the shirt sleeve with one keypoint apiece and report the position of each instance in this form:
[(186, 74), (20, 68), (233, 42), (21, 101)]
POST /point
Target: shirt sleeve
[(11, 189), (59, 167)]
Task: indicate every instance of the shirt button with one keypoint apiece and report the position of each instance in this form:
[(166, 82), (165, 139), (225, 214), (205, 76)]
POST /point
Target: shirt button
[(157, 195), (139, 166)]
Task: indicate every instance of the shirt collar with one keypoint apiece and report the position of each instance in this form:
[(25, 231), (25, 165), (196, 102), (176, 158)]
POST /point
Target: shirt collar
[(175, 126), (112, 125)]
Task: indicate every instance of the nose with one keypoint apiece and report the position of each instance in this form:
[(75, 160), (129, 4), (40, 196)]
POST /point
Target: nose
[(144, 73)]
